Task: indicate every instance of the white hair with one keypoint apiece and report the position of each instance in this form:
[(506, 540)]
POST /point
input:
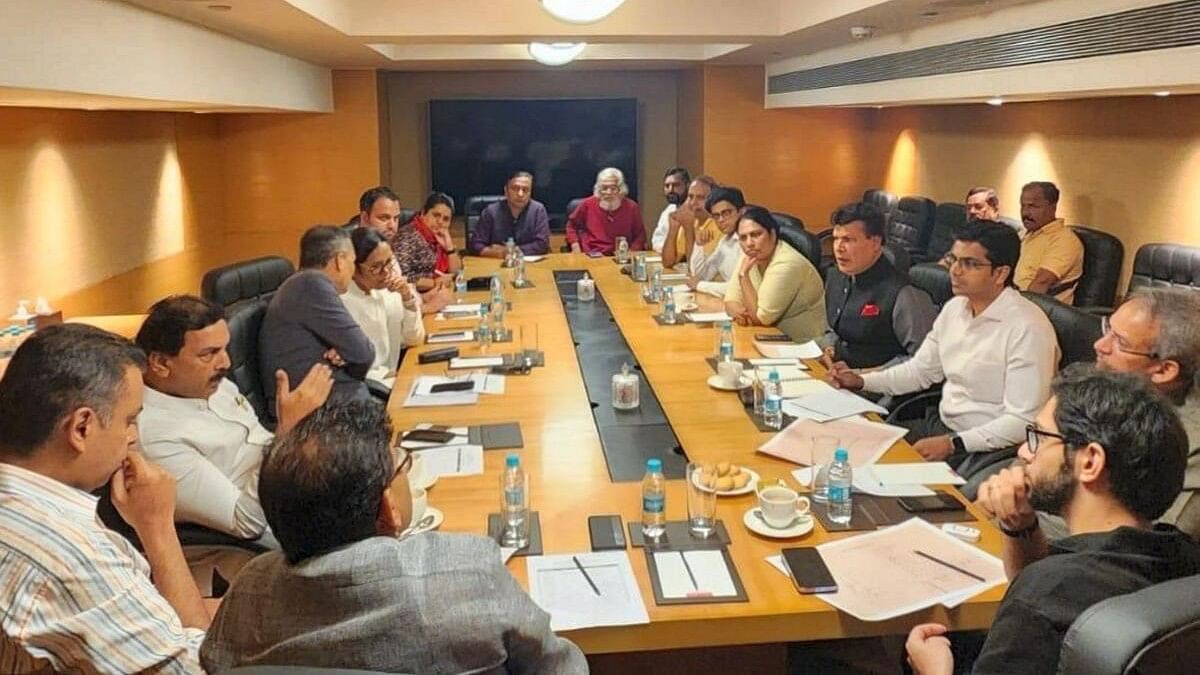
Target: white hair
[(610, 172), (1176, 311)]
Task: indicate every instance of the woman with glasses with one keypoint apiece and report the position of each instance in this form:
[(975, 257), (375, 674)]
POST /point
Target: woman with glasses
[(774, 285), (384, 304), (433, 224)]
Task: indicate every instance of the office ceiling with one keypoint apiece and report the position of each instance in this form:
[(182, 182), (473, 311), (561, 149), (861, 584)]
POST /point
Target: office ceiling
[(492, 34)]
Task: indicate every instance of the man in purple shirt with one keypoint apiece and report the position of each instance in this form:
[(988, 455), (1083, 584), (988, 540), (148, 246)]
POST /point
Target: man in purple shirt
[(519, 216)]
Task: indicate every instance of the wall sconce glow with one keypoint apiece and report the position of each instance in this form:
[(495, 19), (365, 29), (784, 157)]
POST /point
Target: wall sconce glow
[(1162, 94), (580, 11), (995, 101), (555, 53)]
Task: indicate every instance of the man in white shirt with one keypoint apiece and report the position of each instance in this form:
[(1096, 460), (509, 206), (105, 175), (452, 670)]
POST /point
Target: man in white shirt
[(197, 425), (686, 220), (713, 260), (675, 185), (995, 351)]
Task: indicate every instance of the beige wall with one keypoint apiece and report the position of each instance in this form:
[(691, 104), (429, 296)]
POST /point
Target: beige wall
[(407, 165), (1127, 166)]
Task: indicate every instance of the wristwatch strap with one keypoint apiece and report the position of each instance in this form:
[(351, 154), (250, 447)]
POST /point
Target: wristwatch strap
[(1023, 533), (957, 441)]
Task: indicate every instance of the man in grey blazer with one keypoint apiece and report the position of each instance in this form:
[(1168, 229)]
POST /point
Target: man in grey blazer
[(345, 592)]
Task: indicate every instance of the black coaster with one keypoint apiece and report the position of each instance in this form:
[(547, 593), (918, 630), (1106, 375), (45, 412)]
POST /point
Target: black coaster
[(660, 599), (677, 537), (501, 436), (527, 284), (535, 533), (870, 512)]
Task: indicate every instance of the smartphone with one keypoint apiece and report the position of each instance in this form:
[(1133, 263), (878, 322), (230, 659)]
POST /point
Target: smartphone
[(461, 385), (808, 570), (939, 502), (429, 436), (607, 533), (772, 337)]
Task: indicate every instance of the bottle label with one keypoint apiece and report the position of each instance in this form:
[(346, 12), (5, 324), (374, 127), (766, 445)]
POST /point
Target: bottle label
[(839, 493), (653, 504), (514, 497), (771, 404)]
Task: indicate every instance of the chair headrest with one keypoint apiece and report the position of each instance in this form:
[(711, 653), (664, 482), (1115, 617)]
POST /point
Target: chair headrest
[(246, 280)]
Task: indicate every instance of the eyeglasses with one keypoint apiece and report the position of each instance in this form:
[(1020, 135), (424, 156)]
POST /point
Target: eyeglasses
[(404, 463), (1033, 436), (1106, 330), (380, 267), (969, 264), (725, 213), (609, 188)]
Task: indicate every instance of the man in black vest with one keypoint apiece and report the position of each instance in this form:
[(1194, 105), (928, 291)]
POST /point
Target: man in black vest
[(874, 317)]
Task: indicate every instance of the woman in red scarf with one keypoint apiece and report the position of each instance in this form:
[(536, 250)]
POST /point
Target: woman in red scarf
[(433, 224)]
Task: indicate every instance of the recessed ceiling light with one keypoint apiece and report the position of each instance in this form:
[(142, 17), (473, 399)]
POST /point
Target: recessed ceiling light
[(555, 53), (580, 11), (995, 101), (1162, 93)]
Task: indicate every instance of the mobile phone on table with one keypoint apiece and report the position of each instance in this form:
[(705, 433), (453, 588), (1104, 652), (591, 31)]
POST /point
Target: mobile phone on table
[(772, 337), (595, 254), (939, 502), (461, 385), (429, 436), (607, 533), (808, 570)]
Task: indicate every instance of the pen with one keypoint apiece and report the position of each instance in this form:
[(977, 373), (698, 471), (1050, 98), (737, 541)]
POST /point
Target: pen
[(956, 568), (458, 462), (688, 567), (583, 571)]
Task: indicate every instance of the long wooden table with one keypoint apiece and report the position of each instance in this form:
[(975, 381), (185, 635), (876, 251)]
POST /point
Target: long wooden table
[(569, 479)]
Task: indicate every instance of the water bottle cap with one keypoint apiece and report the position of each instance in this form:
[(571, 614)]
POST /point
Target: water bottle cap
[(654, 465), (840, 455), (774, 376), (512, 461)]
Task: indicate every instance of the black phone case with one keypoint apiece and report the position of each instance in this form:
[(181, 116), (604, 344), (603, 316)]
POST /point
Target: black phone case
[(606, 532), (433, 356), (465, 385), (429, 436), (772, 338), (939, 502), (808, 570)]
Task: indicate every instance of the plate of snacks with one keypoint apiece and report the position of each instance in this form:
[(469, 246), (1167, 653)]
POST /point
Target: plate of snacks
[(726, 479)]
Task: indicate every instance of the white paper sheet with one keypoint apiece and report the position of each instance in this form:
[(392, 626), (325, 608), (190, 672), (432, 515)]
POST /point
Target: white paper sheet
[(889, 572), (916, 473), (534, 258), (830, 404), (949, 602), (460, 362), (416, 400), (788, 372), (785, 350), (864, 441), (467, 308), (778, 362), (453, 460), (483, 384), (711, 574), (558, 587), (457, 431), (707, 317), (451, 336)]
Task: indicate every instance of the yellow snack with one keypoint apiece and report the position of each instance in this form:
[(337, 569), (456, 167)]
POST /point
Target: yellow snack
[(724, 483), (722, 468), (734, 469), (707, 478), (740, 480)]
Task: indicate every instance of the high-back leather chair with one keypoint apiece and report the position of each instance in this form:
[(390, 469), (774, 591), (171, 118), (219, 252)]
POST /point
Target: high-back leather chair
[(934, 280), (898, 257), (1103, 256), (245, 320), (1153, 631), (1075, 329), (912, 224), (1167, 266), (245, 280), (947, 217), (885, 200), (474, 207), (571, 206), (792, 231)]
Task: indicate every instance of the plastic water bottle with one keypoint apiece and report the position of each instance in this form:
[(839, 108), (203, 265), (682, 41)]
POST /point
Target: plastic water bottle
[(841, 477), (514, 504), (725, 342), (484, 332), (460, 286), (773, 401), (497, 287), (510, 248), (519, 267), (654, 500), (656, 287), (622, 250), (498, 309), (668, 312)]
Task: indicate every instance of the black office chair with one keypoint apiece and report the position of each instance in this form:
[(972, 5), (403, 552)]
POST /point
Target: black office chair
[(474, 207), (911, 224), (245, 280), (898, 256), (1103, 256), (245, 320), (792, 231), (1152, 631), (885, 200), (934, 280), (947, 217), (1166, 266), (571, 206), (1076, 330)]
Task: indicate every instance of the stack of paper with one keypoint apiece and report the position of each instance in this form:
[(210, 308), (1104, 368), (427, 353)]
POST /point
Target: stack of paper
[(786, 350), (453, 460), (863, 440), (587, 589), (689, 574), (421, 396), (830, 404), (707, 317), (904, 480)]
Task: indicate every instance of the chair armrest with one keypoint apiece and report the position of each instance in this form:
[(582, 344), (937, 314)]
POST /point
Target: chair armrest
[(1097, 310), (919, 401), (378, 390), (198, 535)]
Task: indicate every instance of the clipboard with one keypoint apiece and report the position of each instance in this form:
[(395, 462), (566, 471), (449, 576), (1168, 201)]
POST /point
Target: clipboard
[(656, 583)]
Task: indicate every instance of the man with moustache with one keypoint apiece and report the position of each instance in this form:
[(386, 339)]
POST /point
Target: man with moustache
[(1051, 255), (675, 186), (609, 213), (984, 204), (518, 216), (198, 426), (1107, 453), (690, 221)]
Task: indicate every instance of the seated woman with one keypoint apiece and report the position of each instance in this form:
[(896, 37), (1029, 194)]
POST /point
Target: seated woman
[(775, 285), (433, 224), (383, 303)]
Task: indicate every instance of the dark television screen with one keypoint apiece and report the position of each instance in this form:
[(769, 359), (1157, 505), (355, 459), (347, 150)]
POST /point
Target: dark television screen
[(476, 144)]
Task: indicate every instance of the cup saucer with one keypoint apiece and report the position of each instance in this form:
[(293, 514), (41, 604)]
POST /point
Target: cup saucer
[(430, 520), (754, 523), (715, 382)]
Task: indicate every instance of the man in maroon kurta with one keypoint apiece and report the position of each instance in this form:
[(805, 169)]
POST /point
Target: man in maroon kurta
[(609, 213)]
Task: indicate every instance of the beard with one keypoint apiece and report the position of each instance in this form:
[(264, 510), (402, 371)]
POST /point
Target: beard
[(674, 198), (1053, 494), (610, 203)]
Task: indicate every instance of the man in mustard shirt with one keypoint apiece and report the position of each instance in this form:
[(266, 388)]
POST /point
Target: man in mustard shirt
[(1051, 255)]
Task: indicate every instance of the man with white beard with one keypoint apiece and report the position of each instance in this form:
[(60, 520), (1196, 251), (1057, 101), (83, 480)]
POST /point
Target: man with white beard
[(598, 221)]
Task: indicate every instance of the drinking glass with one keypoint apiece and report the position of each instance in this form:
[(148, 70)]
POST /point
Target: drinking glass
[(702, 505), (529, 344), (823, 448)]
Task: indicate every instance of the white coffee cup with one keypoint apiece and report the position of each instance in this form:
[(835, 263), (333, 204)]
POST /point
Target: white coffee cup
[(416, 472), (420, 499), (780, 505), (684, 298), (730, 373)]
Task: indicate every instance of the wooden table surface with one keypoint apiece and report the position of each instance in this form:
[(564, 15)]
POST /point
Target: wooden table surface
[(569, 480)]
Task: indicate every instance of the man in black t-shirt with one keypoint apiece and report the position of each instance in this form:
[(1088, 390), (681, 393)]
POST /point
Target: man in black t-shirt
[(1107, 453)]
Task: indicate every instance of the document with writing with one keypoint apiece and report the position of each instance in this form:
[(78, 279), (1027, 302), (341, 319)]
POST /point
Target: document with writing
[(784, 350), (683, 574), (830, 404), (901, 569), (863, 440), (586, 589), (707, 317), (453, 460)]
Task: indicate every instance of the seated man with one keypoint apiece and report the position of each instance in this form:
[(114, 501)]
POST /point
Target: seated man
[(1108, 454), (78, 597), (684, 223), (984, 204), (675, 186), (712, 262), (518, 216), (306, 322), (379, 209), (875, 318), (1153, 334), (995, 350), (347, 592), (609, 213), (1051, 255), (198, 426)]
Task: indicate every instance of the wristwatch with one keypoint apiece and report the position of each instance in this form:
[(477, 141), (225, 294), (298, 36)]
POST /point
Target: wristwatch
[(957, 442), (1023, 533)]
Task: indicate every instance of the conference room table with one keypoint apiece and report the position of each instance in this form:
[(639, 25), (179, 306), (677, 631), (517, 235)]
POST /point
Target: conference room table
[(569, 480)]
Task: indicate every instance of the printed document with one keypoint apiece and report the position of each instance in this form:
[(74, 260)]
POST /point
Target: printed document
[(603, 593)]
